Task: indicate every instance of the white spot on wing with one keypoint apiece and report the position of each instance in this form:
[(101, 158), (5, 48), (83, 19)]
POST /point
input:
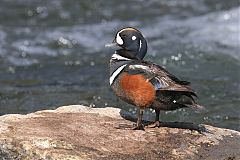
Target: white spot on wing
[(134, 38), (116, 73)]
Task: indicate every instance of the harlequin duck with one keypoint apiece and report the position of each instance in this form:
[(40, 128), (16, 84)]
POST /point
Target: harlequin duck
[(142, 83)]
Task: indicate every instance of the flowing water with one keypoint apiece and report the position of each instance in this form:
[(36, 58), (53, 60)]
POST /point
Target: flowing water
[(52, 53)]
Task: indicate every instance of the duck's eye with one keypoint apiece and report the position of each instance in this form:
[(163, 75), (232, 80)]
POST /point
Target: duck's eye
[(123, 35), (134, 38)]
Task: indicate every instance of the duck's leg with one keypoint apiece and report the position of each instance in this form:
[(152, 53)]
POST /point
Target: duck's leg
[(139, 120), (157, 122)]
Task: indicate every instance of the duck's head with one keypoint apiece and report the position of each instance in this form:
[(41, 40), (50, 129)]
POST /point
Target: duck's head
[(131, 42)]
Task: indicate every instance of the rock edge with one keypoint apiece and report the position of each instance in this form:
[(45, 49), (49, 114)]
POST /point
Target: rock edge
[(80, 132)]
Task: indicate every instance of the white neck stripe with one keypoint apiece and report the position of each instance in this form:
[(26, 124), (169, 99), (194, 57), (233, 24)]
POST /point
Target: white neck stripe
[(118, 57), (116, 73), (140, 45)]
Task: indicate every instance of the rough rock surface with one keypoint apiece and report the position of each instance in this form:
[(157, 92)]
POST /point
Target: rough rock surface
[(78, 132)]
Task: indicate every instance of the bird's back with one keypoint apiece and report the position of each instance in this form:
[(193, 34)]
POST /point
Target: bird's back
[(146, 84)]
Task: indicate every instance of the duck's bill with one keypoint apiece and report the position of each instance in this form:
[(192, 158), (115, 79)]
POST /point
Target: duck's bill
[(111, 45)]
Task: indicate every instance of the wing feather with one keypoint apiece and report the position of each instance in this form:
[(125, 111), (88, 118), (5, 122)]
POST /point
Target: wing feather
[(160, 77)]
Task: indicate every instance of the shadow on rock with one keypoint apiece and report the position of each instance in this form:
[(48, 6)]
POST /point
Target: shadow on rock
[(181, 125)]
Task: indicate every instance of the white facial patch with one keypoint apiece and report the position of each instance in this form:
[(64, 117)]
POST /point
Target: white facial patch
[(119, 39)]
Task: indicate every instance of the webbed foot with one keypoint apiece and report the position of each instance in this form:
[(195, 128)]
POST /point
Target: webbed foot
[(138, 127), (156, 124)]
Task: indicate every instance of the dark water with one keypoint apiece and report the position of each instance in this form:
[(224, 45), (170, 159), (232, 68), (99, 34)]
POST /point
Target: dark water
[(52, 53)]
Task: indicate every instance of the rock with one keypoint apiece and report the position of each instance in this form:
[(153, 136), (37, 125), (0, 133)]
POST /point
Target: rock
[(79, 132)]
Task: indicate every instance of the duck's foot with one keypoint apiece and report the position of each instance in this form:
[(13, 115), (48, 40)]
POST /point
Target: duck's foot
[(138, 127), (124, 126), (156, 124), (130, 127)]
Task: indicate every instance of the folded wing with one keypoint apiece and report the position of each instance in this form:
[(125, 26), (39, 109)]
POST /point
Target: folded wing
[(160, 78), (172, 93)]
